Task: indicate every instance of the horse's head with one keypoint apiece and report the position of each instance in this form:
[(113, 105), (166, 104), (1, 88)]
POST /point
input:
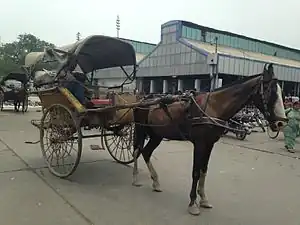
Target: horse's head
[(268, 99)]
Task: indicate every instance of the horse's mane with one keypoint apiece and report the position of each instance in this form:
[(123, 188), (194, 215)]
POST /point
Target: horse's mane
[(240, 81)]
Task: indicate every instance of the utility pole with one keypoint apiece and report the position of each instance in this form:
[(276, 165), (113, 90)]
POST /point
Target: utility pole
[(212, 61), (78, 36), (118, 26), (216, 66)]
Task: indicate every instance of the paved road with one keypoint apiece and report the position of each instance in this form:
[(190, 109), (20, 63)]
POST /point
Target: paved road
[(250, 182)]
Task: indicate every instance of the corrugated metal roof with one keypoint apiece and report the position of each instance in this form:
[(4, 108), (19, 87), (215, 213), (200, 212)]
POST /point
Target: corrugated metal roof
[(243, 54)]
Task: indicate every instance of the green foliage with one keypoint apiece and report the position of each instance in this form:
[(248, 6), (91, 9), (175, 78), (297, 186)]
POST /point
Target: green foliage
[(12, 55)]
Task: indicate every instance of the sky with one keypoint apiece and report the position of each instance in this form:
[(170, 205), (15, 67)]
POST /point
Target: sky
[(58, 21)]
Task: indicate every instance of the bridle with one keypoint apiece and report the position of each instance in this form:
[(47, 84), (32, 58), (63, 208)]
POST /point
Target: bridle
[(265, 94)]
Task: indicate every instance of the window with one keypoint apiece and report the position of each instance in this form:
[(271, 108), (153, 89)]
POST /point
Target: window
[(213, 38), (220, 39), (197, 35), (226, 40), (184, 31), (234, 42), (189, 32), (251, 46), (208, 37), (258, 47), (244, 44), (237, 43)]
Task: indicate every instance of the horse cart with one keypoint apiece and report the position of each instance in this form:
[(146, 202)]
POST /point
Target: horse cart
[(61, 126), (14, 88)]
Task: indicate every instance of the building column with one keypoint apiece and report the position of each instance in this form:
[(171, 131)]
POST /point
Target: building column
[(219, 83), (180, 85), (282, 85), (197, 84), (139, 85), (152, 86), (165, 86), (295, 88)]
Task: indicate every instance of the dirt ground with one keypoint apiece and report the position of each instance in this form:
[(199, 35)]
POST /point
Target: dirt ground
[(251, 182)]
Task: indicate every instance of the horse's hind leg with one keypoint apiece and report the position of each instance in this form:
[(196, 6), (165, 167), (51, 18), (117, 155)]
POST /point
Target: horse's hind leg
[(147, 152), (136, 154), (138, 144)]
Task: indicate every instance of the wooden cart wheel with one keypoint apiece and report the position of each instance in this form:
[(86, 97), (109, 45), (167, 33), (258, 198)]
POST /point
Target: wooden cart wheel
[(61, 140), (119, 143), (25, 104), (1, 99)]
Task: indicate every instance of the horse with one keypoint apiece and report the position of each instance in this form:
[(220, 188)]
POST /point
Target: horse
[(16, 94), (202, 121), (21, 98)]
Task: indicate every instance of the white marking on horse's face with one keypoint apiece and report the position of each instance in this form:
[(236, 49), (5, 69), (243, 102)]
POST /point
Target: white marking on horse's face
[(278, 107)]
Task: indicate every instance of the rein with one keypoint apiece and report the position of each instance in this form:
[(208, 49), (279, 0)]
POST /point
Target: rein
[(212, 120)]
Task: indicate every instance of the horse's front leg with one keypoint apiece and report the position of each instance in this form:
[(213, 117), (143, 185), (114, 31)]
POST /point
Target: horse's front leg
[(203, 171), (201, 191), (193, 208)]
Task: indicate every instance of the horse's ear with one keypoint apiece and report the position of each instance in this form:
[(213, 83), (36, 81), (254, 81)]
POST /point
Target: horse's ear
[(268, 73), (271, 69), (265, 68)]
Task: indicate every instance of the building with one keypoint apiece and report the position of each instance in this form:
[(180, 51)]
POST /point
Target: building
[(115, 76), (182, 59)]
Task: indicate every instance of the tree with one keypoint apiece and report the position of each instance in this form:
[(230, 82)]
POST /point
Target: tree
[(12, 55)]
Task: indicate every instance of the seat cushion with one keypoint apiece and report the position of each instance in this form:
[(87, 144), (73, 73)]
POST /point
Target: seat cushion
[(101, 101)]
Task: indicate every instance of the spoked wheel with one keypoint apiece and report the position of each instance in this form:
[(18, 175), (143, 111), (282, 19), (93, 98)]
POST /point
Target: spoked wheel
[(1, 100), (25, 104), (241, 135), (271, 133), (61, 140), (119, 143)]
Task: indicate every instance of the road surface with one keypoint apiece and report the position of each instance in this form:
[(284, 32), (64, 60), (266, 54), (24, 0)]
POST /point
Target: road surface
[(251, 182)]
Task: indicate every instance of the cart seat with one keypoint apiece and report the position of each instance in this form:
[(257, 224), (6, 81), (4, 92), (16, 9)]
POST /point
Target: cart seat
[(100, 102), (202, 98)]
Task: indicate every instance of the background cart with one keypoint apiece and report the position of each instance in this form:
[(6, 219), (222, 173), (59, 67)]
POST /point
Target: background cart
[(14, 88)]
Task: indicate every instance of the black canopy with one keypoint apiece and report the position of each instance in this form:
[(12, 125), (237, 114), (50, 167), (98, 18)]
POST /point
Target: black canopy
[(97, 52), (16, 75)]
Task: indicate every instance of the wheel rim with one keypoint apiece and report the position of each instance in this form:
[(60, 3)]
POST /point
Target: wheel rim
[(272, 134), (120, 146), (61, 140), (241, 136)]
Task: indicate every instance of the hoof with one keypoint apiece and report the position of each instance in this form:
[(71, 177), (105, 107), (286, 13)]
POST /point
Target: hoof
[(194, 210), (205, 204), (136, 184), (156, 188)]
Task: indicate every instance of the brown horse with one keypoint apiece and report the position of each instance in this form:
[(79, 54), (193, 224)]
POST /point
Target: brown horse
[(201, 120)]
